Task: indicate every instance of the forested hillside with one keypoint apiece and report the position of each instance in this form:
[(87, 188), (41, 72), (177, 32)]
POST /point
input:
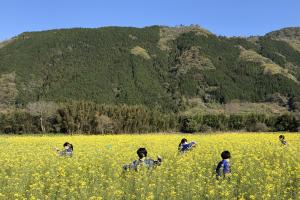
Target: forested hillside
[(183, 69)]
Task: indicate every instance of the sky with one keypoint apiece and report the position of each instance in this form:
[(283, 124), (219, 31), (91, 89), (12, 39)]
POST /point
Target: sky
[(222, 17)]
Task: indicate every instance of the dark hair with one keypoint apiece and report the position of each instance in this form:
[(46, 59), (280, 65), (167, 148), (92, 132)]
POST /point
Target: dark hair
[(68, 144), (183, 140), (225, 155), (281, 136), (142, 152)]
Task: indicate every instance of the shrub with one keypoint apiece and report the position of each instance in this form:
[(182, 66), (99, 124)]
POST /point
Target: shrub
[(258, 127), (205, 128), (188, 125), (103, 124)]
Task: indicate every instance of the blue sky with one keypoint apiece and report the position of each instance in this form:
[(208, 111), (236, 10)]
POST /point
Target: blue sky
[(222, 17)]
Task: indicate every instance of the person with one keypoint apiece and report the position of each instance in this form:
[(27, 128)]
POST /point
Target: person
[(282, 140), (143, 161), (185, 146), (223, 167), (67, 151)]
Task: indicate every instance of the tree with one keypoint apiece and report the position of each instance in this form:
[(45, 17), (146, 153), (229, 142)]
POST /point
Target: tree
[(42, 110), (8, 90), (103, 124), (294, 104)]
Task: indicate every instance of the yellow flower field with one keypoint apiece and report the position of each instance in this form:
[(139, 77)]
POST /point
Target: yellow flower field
[(261, 167)]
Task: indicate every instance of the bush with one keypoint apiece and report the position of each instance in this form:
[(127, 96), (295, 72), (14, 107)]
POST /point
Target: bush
[(188, 125), (287, 123), (205, 128), (258, 127), (103, 124), (218, 122), (236, 122)]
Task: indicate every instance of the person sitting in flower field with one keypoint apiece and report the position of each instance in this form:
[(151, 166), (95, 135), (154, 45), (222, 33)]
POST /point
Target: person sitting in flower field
[(282, 140), (185, 146), (223, 167), (143, 161), (67, 151)]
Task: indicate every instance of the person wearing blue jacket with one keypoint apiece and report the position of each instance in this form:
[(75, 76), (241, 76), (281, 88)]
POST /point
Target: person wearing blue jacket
[(67, 151), (223, 167), (143, 161), (184, 146), (282, 140)]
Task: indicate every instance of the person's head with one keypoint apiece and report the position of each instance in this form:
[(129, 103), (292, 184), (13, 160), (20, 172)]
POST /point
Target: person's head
[(281, 137), (183, 140), (225, 155), (68, 145), (142, 152)]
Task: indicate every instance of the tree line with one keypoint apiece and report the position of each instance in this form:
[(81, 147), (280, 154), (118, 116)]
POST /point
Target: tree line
[(91, 118)]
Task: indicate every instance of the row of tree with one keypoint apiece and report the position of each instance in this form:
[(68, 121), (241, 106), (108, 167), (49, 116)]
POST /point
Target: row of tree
[(85, 117), (238, 122), (91, 118)]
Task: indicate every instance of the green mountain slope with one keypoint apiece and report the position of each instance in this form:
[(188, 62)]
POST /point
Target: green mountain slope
[(154, 66), (289, 35)]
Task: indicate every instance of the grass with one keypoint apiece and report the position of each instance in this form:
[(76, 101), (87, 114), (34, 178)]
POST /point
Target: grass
[(196, 106), (269, 66), (6, 42), (139, 51), (168, 34)]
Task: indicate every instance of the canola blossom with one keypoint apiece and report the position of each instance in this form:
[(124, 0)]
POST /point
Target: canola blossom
[(261, 167)]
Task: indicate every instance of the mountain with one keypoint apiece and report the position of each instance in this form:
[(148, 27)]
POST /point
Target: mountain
[(157, 66), (290, 35)]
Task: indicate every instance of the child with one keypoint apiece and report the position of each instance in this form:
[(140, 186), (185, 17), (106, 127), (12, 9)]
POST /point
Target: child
[(185, 146), (143, 160), (68, 150), (282, 140), (224, 164)]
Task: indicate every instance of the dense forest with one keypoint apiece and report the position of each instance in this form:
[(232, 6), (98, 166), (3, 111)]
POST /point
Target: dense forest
[(152, 79)]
